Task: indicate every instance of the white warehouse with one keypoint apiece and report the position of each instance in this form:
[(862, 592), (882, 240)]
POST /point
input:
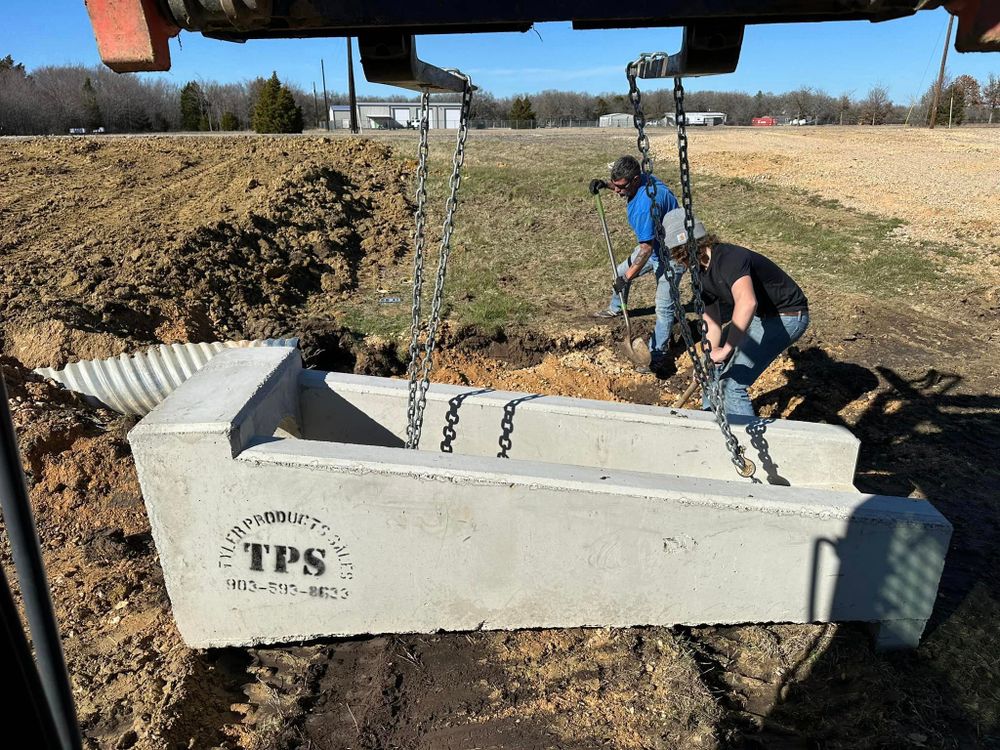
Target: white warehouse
[(616, 120), (392, 115)]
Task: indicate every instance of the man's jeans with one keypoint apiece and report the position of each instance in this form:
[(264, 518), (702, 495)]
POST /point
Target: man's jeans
[(660, 339), (766, 338)]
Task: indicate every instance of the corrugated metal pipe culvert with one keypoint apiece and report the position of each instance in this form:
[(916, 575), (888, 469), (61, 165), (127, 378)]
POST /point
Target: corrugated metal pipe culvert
[(137, 383)]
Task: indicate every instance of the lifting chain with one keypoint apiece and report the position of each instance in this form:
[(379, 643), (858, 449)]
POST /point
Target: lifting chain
[(419, 370), (704, 370)]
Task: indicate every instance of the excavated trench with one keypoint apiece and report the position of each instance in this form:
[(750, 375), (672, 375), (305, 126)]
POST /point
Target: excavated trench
[(234, 239)]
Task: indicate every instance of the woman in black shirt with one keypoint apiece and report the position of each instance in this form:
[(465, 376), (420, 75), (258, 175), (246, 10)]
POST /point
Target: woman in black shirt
[(769, 312)]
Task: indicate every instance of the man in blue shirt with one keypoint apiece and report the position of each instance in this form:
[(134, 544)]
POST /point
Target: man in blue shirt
[(629, 182)]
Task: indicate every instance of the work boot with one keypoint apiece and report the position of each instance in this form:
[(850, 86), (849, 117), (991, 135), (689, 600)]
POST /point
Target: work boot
[(607, 314), (664, 367)]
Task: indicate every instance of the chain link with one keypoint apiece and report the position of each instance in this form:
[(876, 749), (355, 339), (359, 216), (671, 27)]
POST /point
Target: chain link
[(420, 221), (419, 369), (704, 370)]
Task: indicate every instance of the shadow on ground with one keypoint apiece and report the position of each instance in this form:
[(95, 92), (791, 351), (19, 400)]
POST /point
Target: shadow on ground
[(931, 436)]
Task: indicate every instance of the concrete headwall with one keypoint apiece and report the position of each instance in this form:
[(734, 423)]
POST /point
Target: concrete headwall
[(267, 540)]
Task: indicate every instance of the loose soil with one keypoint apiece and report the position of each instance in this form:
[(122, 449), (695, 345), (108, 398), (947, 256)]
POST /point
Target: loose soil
[(112, 244)]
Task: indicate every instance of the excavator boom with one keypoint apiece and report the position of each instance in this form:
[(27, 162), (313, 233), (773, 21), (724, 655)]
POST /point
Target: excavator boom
[(132, 35)]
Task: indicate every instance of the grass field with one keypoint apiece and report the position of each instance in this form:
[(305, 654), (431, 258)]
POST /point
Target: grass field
[(528, 246)]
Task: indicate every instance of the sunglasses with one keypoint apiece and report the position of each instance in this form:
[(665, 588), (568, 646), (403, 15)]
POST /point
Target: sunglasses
[(622, 185)]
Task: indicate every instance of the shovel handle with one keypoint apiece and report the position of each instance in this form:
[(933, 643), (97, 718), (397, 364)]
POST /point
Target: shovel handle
[(683, 398), (607, 235)]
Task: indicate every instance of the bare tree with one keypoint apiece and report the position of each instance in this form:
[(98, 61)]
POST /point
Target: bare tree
[(875, 108), (844, 105), (991, 94), (802, 102)]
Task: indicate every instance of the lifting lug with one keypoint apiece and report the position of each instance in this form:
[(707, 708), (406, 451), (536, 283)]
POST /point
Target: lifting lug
[(391, 58), (707, 49)]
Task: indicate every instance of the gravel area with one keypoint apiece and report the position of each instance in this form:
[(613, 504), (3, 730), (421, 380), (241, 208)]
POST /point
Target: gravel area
[(944, 183)]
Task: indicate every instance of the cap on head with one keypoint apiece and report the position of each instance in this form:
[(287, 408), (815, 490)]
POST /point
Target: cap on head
[(675, 233)]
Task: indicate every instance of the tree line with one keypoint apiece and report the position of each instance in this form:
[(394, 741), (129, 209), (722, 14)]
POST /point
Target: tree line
[(55, 99), (963, 99)]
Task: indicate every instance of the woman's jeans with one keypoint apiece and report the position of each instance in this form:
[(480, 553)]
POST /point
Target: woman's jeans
[(765, 339), (660, 340)]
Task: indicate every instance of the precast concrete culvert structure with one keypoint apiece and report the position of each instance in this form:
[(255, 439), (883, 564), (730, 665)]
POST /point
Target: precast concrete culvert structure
[(284, 507)]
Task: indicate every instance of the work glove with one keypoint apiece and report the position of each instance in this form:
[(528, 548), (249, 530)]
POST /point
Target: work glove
[(619, 285), (596, 185)]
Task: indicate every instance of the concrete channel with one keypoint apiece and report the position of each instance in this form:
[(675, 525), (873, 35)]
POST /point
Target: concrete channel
[(284, 508)]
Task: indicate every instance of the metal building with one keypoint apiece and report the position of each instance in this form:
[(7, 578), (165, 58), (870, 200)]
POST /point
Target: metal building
[(392, 115), (616, 120)]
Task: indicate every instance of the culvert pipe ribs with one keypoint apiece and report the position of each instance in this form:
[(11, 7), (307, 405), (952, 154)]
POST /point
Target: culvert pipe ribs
[(135, 384)]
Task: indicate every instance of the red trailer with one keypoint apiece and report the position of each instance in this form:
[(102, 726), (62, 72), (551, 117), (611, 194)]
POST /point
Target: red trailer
[(764, 121)]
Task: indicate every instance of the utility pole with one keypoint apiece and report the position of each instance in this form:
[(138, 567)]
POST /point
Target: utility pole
[(352, 99), (326, 101), (315, 106), (940, 80)]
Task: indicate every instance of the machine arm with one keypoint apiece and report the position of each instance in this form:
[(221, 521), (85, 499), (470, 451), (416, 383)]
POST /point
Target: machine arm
[(132, 35)]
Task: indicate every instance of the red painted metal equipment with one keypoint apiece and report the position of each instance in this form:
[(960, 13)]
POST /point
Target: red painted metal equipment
[(132, 35)]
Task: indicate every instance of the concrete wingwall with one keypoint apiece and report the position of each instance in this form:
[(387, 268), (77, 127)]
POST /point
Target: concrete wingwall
[(268, 540)]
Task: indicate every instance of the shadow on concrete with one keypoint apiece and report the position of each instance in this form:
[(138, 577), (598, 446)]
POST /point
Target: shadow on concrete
[(451, 418), (507, 423), (757, 430), (353, 426)]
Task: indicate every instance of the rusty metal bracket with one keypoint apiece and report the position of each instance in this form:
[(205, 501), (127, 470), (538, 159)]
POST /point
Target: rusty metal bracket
[(238, 15), (132, 35), (707, 49), (391, 58)]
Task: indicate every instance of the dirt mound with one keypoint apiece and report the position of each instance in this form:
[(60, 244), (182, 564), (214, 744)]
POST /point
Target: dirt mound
[(197, 239), (132, 675)]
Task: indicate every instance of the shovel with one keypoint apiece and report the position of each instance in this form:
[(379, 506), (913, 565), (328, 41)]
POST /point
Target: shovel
[(635, 348)]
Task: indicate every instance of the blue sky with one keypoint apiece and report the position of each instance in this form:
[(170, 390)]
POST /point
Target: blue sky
[(840, 57)]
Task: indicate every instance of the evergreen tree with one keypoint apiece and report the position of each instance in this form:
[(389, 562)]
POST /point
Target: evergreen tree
[(952, 105), (191, 107), (160, 123), (521, 113), (92, 117), (601, 107), (139, 121), (7, 64), (275, 110), (229, 121)]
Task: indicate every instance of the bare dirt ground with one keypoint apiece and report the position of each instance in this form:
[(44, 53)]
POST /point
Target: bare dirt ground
[(111, 244)]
